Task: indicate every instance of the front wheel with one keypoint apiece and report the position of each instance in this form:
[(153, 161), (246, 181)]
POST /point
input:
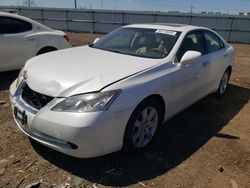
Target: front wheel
[(223, 83), (142, 126)]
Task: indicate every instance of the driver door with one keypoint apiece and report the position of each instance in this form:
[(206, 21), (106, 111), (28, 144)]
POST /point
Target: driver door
[(190, 79)]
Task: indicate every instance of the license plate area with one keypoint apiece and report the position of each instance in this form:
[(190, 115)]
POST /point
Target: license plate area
[(20, 116)]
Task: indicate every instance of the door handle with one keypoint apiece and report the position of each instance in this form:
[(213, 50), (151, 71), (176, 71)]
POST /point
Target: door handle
[(30, 39), (187, 65), (205, 63)]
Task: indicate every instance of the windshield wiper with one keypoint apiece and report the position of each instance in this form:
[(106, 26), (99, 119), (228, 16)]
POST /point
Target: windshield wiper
[(124, 53), (131, 54), (117, 51)]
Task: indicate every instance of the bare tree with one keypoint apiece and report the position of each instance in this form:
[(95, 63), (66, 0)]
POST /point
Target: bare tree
[(29, 3)]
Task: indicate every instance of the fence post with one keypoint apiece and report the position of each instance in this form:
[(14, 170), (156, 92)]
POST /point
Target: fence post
[(19, 11), (42, 16), (230, 29), (67, 20), (190, 19), (155, 16), (123, 18), (93, 22)]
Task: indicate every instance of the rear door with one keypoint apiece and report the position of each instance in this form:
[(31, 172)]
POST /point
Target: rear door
[(17, 43), (217, 52), (190, 81)]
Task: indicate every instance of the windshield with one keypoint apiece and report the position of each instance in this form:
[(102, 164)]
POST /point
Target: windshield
[(149, 43)]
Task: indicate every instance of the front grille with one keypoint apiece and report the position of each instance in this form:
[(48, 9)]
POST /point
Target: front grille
[(34, 99)]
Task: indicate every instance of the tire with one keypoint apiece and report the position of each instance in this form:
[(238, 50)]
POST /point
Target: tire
[(223, 84), (140, 131), (46, 50)]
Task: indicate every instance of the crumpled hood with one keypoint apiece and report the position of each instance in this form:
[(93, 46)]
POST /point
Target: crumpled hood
[(80, 70)]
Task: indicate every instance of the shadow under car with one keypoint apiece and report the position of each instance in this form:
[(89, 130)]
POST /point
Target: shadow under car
[(176, 141)]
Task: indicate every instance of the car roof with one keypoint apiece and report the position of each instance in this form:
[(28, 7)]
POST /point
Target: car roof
[(167, 26), (12, 15)]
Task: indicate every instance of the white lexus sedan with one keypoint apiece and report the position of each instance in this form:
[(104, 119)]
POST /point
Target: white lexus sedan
[(93, 100), (22, 38)]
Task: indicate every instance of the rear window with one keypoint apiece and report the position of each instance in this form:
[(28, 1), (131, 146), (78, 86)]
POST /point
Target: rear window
[(12, 25)]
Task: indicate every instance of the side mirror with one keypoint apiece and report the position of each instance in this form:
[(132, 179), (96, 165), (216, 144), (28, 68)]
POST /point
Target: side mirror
[(96, 40), (190, 55)]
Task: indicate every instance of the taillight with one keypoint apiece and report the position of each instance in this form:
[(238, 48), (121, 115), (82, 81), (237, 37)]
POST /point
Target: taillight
[(66, 37)]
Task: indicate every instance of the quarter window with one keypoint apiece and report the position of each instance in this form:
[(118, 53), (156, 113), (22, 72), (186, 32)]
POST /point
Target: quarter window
[(13, 25), (213, 42)]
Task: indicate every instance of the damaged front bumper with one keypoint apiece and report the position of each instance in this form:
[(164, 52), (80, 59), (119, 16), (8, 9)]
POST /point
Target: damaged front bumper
[(82, 135)]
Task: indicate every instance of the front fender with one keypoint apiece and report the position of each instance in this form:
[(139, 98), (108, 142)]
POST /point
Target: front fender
[(135, 89)]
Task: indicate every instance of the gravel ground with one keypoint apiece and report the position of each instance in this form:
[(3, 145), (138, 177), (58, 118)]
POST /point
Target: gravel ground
[(207, 145)]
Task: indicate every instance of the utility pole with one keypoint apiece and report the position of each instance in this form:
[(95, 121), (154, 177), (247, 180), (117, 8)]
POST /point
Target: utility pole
[(101, 4), (29, 3), (75, 4), (191, 9)]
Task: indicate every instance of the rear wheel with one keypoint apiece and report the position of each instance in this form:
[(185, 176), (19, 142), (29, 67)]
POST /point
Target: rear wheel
[(223, 83), (142, 126), (46, 50)]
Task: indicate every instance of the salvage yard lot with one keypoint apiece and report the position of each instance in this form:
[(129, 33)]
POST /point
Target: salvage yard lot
[(207, 145)]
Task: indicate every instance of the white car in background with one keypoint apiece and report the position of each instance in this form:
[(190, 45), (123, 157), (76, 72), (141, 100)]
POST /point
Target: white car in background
[(92, 100), (22, 38)]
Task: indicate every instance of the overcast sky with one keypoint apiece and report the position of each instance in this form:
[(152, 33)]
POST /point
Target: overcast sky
[(227, 6)]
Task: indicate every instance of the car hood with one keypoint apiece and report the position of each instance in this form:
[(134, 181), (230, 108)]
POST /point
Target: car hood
[(81, 70)]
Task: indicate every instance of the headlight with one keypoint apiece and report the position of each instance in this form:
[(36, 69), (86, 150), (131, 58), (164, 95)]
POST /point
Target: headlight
[(19, 78), (92, 102)]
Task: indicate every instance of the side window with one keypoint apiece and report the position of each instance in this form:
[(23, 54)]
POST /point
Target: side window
[(192, 42), (213, 42), (13, 25)]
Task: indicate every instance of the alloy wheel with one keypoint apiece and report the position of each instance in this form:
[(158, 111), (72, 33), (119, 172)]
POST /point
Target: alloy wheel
[(144, 127), (224, 83)]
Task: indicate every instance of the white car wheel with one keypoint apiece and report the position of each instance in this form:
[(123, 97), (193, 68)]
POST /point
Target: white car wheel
[(145, 127), (223, 83), (142, 125), (46, 50)]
